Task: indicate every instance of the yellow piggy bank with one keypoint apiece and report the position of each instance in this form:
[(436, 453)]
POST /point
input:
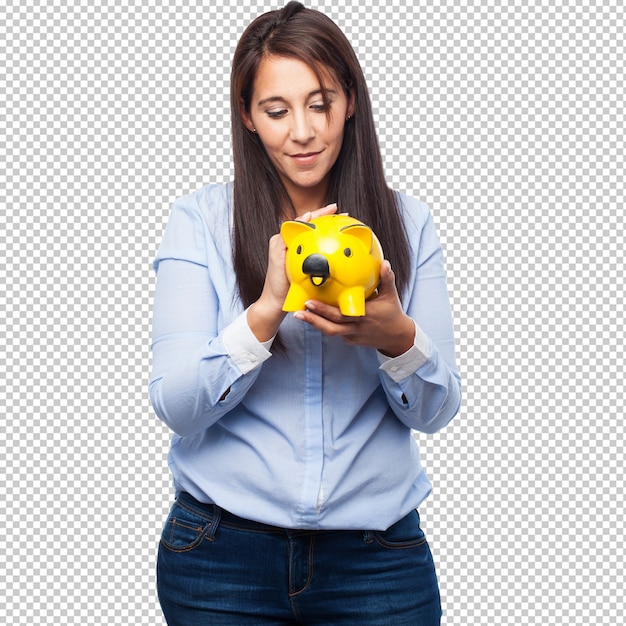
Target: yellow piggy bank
[(334, 259)]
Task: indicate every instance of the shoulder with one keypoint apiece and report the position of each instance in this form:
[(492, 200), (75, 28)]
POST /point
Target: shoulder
[(420, 227), (207, 209), (415, 213), (195, 219), (209, 201)]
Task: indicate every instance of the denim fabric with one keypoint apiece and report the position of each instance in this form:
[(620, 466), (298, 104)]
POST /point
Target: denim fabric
[(216, 568)]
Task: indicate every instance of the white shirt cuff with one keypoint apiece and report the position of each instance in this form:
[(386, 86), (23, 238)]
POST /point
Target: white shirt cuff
[(400, 367), (242, 345)]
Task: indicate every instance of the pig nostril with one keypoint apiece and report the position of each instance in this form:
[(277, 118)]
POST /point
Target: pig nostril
[(316, 265)]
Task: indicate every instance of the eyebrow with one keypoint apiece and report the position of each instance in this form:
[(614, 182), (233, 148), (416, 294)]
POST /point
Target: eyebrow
[(271, 99)]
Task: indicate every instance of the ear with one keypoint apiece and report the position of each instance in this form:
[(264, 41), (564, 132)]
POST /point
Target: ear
[(360, 231), (351, 104), (245, 116), (292, 228)]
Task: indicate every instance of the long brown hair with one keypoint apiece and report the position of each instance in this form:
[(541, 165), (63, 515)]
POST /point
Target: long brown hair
[(357, 182)]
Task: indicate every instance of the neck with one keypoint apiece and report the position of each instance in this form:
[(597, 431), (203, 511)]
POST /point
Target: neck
[(311, 199)]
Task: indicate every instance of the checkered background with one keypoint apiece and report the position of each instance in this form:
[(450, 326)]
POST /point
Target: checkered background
[(506, 117)]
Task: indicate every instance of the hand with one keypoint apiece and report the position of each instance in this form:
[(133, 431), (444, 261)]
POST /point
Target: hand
[(384, 326), (329, 209), (276, 283), (266, 314)]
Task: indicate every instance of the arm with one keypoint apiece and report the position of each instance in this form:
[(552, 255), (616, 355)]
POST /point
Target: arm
[(204, 357), (198, 373), (202, 366), (415, 343), (423, 385)]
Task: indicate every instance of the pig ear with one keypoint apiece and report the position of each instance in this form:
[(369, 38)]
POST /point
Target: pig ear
[(292, 228), (362, 232)]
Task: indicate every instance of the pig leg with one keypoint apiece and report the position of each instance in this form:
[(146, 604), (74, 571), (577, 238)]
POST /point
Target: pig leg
[(352, 301), (296, 297)]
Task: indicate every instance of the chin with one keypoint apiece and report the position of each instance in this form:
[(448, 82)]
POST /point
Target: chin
[(308, 182)]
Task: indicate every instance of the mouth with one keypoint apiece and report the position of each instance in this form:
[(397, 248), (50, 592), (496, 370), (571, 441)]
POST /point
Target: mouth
[(318, 281), (305, 158)]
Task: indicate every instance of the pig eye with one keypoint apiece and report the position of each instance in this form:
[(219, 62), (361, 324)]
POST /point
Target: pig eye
[(299, 250), (348, 252)]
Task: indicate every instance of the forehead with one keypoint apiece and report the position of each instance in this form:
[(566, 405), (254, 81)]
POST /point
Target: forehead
[(288, 77)]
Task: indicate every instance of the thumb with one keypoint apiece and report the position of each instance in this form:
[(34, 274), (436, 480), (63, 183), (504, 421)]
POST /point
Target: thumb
[(387, 278)]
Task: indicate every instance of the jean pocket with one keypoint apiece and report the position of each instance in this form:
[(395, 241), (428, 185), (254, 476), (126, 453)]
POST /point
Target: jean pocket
[(405, 533), (184, 530)]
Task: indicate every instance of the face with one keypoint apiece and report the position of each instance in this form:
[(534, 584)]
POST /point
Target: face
[(300, 138)]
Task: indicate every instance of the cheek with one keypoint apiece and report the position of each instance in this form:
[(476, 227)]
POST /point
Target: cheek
[(272, 147), (268, 139), (336, 135), (272, 135)]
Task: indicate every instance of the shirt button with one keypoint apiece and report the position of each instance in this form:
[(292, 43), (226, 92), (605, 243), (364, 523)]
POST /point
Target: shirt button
[(252, 358), (395, 368)]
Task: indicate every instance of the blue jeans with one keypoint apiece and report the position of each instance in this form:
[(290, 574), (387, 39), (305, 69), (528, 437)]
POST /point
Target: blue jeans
[(216, 568)]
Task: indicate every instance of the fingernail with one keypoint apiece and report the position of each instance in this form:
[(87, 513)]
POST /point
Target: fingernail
[(299, 315), (333, 205)]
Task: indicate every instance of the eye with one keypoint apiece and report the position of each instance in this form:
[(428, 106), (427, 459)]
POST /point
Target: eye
[(299, 250), (348, 252), (276, 115)]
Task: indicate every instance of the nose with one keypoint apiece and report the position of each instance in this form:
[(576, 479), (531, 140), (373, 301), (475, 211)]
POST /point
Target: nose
[(316, 266), (302, 130)]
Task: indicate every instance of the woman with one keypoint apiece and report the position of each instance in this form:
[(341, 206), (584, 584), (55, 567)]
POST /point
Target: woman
[(296, 475)]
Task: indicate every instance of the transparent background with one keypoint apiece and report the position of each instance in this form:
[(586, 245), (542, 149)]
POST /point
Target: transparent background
[(506, 117)]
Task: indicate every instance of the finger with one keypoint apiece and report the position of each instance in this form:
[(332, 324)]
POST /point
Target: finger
[(277, 240), (277, 245), (329, 209), (329, 312), (325, 325)]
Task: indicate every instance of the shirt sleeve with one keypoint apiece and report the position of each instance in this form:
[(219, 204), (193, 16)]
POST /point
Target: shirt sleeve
[(423, 385), (200, 371), (242, 345), (405, 364)]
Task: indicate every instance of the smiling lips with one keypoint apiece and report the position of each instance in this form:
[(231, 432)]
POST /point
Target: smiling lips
[(307, 158)]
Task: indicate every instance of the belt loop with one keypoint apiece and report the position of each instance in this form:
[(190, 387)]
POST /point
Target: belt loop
[(215, 522), (367, 536)]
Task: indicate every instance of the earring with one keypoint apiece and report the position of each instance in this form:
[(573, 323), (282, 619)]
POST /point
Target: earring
[(348, 117)]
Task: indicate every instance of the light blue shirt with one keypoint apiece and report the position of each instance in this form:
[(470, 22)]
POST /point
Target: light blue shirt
[(317, 437)]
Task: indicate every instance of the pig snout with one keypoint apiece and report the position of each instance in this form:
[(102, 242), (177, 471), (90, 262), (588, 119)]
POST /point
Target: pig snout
[(316, 267)]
